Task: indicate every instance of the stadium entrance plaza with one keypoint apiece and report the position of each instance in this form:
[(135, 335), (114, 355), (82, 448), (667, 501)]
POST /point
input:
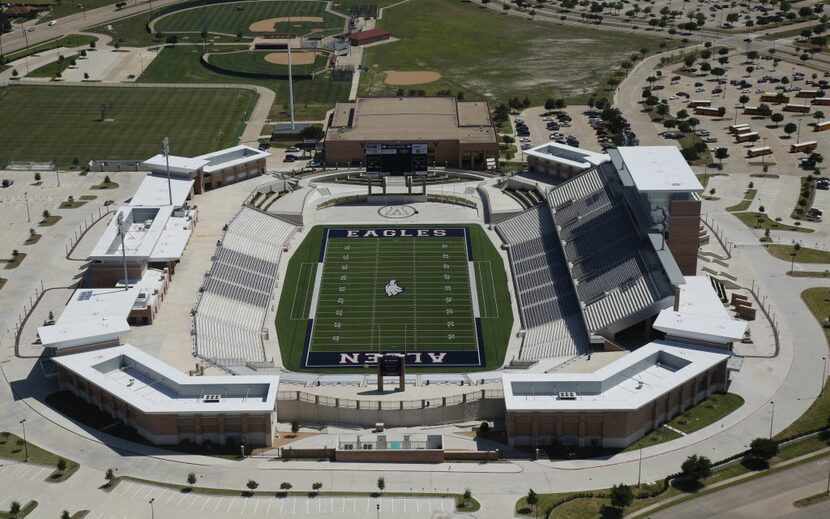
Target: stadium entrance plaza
[(791, 380)]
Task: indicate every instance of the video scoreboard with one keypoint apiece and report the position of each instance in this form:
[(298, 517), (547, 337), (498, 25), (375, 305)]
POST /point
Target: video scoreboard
[(383, 159)]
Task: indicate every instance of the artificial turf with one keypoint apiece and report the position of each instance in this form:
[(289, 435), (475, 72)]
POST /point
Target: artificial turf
[(356, 314)]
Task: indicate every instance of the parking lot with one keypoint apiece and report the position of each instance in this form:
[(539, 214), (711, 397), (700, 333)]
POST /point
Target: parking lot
[(178, 502)]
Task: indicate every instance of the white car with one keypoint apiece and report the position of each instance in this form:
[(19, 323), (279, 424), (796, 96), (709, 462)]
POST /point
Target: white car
[(759, 90), (672, 98), (525, 139), (700, 89), (746, 91), (52, 23)]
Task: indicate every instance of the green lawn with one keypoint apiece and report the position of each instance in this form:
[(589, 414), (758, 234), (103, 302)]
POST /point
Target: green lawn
[(364, 321), (236, 17), (254, 62), (805, 255), (744, 204), (25, 510), (52, 69), (492, 56), (196, 120), (9, 449), (808, 193), (762, 221), (707, 412), (76, 41), (129, 32), (312, 97)]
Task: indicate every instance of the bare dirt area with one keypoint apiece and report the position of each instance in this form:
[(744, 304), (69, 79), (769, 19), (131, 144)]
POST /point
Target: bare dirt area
[(268, 25), (417, 77), (297, 58)]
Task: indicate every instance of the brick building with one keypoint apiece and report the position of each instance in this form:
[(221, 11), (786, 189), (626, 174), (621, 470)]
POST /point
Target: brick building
[(212, 170)]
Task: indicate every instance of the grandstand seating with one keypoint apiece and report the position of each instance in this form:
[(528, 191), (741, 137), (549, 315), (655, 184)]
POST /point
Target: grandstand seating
[(237, 289), (609, 261), (547, 302)]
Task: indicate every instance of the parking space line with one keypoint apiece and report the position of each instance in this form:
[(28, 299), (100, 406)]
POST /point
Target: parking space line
[(244, 504), (217, 504), (207, 500), (294, 508), (268, 510), (229, 506), (282, 503), (172, 494)]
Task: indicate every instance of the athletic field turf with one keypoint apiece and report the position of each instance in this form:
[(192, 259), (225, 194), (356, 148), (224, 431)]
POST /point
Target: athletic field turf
[(236, 17), (489, 55), (349, 296), (60, 123)]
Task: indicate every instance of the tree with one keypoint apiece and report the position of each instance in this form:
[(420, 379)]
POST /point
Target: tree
[(468, 494), (532, 497), (744, 99), (295, 427), (763, 449), (720, 154), (549, 104), (316, 487), (662, 109), (46, 214), (818, 115), (65, 515), (381, 484), (14, 508), (252, 485), (312, 132), (191, 479), (286, 486), (696, 467), (682, 114), (60, 465), (109, 477), (37, 177), (621, 496), (790, 128), (484, 429), (777, 118)]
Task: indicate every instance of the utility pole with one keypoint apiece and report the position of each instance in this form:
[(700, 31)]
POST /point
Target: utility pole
[(25, 443), (165, 148)]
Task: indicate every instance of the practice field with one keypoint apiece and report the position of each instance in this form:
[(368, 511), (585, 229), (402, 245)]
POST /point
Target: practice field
[(252, 19), (437, 294), (60, 123), (492, 56)]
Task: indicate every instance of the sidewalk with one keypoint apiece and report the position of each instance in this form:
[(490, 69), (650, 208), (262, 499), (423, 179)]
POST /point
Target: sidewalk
[(729, 482)]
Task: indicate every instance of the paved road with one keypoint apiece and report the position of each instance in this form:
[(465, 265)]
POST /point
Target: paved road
[(770, 496)]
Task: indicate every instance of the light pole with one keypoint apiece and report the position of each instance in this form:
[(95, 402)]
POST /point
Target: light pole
[(640, 468), (28, 214), (823, 375), (771, 418), (152, 509), (25, 443), (26, 36), (121, 232), (165, 148)]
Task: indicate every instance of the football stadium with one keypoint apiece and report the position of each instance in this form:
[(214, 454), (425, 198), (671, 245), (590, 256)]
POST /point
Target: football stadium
[(562, 303)]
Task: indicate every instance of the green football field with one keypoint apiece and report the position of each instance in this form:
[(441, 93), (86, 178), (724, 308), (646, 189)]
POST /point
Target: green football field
[(62, 123), (236, 17), (433, 311)]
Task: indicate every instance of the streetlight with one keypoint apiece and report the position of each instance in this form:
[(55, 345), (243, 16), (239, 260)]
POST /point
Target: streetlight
[(152, 509), (771, 418), (28, 214), (165, 149), (640, 467), (25, 443), (823, 375)]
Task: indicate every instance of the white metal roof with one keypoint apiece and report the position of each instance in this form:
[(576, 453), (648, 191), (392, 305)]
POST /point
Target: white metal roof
[(152, 233), (230, 157), (700, 315), (626, 384), (177, 164), (154, 191), (656, 168), (568, 155), (154, 387), (92, 315)]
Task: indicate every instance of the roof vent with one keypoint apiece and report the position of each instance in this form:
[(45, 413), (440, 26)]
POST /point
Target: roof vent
[(567, 395), (211, 398)]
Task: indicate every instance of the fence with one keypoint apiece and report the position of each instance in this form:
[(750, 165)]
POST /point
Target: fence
[(28, 165), (82, 229)]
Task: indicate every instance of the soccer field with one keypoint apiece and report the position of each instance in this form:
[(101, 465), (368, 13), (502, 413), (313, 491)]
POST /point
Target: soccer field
[(63, 123), (437, 294)]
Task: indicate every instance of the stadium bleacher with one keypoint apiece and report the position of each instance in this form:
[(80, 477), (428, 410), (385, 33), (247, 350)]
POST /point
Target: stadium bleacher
[(547, 302), (609, 261), (230, 312)]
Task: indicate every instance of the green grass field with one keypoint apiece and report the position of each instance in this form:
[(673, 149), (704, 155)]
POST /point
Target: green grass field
[(51, 69), (62, 123), (312, 98), (238, 16), (493, 56), (254, 62), (434, 311)]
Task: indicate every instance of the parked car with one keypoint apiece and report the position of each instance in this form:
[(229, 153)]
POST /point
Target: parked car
[(7, 182), (293, 149)]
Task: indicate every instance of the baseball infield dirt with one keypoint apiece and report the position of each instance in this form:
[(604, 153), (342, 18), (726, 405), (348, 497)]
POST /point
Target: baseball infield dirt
[(419, 77), (268, 24), (297, 58)]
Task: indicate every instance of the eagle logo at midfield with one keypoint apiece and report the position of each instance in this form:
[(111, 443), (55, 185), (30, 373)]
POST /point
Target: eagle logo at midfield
[(392, 288)]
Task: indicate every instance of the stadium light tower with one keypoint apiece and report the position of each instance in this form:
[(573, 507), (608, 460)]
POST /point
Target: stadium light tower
[(165, 149), (121, 232), (290, 87)]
